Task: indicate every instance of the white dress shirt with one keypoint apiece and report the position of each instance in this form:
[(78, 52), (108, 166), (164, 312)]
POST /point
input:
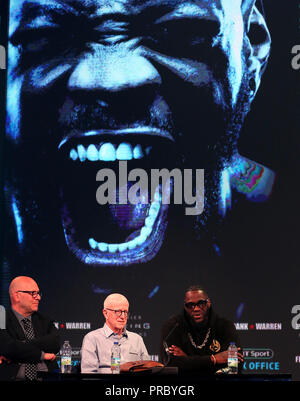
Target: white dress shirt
[(97, 344)]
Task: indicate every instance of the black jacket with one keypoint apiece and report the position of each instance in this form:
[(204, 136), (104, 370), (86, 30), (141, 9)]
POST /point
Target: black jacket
[(14, 346), (222, 332)]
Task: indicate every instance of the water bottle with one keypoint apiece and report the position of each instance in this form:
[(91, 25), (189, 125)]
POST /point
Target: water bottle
[(232, 361), (115, 358), (66, 358)]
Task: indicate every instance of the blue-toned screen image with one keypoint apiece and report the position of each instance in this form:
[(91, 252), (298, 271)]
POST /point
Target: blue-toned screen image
[(159, 84)]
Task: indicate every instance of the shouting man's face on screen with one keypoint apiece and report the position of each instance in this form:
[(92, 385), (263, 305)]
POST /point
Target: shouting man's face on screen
[(158, 83)]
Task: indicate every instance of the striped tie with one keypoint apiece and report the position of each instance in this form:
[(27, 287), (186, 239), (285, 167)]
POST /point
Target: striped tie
[(30, 368)]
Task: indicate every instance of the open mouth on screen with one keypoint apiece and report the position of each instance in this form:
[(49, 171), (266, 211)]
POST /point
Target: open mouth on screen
[(113, 233)]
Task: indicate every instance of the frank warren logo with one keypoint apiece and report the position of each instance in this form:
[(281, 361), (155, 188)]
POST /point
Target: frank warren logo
[(258, 326), (73, 325)]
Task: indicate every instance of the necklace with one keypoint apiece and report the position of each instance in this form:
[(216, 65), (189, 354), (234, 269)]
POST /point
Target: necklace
[(204, 341)]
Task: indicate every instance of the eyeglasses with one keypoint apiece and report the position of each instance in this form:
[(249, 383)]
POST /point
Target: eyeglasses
[(34, 294), (201, 304), (119, 312)]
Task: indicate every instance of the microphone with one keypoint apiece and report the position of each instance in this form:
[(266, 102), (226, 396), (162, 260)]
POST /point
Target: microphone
[(165, 345)]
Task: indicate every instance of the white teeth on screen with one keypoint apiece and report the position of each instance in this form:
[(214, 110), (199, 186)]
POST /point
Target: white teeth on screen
[(108, 152), (92, 153), (124, 152), (140, 239), (81, 153), (73, 154), (138, 152), (93, 243), (102, 246)]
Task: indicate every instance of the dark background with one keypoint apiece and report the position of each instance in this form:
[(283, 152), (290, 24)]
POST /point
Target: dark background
[(256, 276)]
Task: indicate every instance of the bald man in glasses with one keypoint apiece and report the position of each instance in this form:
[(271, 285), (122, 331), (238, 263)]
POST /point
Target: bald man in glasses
[(30, 340), (198, 339), (96, 346)]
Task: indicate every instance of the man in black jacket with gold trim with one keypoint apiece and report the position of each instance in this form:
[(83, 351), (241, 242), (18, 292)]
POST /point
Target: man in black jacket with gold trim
[(198, 338), (21, 352)]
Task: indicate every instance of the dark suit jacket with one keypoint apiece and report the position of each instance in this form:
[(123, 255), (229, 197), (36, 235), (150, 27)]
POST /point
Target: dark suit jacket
[(14, 347)]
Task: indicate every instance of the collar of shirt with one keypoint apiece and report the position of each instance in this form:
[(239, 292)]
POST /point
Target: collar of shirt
[(108, 332), (20, 317)]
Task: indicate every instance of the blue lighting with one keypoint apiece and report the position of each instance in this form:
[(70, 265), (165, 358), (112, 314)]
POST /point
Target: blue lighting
[(153, 292), (18, 220)]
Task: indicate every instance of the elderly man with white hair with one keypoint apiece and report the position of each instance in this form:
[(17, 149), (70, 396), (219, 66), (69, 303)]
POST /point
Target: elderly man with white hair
[(97, 344)]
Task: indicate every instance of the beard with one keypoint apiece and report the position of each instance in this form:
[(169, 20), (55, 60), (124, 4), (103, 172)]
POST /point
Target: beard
[(198, 326)]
